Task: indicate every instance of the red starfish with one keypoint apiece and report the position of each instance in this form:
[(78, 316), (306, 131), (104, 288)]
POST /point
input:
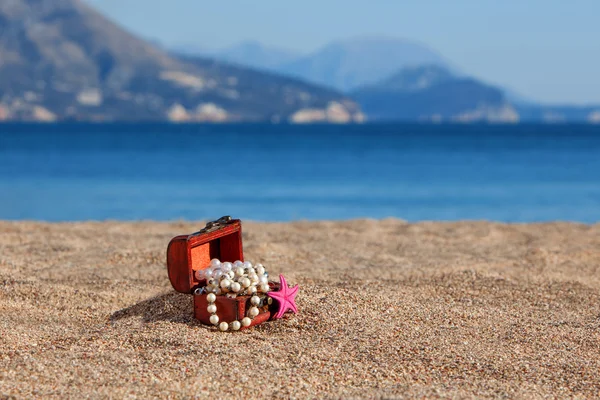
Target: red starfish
[(286, 297)]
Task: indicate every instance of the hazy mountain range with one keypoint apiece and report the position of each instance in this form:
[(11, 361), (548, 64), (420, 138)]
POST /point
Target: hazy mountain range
[(396, 79), (62, 60), (343, 65), (349, 64)]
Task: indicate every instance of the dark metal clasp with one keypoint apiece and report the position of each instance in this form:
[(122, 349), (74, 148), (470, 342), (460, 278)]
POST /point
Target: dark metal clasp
[(213, 225)]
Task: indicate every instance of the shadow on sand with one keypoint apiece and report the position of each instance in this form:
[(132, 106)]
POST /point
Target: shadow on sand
[(173, 307)]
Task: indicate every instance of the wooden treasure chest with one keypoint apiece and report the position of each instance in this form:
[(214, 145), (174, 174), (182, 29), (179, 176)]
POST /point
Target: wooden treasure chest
[(227, 291)]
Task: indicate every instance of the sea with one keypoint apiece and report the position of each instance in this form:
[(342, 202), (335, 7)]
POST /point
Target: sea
[(415, 172)]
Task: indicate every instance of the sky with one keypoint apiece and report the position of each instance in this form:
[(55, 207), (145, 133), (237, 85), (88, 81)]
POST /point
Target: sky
[(545, 50)]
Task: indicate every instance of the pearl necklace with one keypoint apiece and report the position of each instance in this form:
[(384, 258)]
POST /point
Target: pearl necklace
[(231, 280), (239, 278)]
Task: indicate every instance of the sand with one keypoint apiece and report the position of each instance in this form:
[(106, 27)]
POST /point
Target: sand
[(387, 310)]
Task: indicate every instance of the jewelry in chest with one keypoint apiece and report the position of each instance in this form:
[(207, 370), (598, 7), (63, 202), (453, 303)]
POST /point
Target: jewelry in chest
[(227, 292)]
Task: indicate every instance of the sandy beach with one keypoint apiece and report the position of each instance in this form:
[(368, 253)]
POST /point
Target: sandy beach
[(387, 310)]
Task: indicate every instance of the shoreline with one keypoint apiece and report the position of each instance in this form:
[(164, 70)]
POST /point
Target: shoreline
[(387, 308)]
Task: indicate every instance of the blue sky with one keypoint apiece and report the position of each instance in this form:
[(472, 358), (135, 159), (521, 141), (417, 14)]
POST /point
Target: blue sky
[(547, 50)]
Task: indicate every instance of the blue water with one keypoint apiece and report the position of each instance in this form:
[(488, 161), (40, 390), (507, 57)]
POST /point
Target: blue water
[(279, 172)]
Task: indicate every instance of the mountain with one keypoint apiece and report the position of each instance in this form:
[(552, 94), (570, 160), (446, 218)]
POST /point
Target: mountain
[(255, 55), (432, 93), (62, 60), (349, 64)]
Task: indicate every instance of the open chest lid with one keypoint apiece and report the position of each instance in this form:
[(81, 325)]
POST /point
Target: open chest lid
[(187, 254)]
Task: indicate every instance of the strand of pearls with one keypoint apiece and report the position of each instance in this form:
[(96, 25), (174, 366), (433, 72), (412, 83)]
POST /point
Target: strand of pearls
[(235, 325), (232, 280)]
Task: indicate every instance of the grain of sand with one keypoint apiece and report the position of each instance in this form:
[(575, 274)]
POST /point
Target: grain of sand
[(387, 310)]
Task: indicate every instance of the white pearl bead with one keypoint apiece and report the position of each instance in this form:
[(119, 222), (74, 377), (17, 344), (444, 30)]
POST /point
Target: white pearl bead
[(223, 326), (253, 312), (247, 264), (225, 283), (235, 287), (239, 271), (255, 300), (231, 274), (245, 282), (217, 274), (211, 298), (218, 291), (264, 287), (215, 262), (211, 309), (238, 263), (251, 290), (246, 321), (260, 270), (214, 319), (226, 267), (253, 278), (236, 325), (199, 274), (209, 273), (263, 279)]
